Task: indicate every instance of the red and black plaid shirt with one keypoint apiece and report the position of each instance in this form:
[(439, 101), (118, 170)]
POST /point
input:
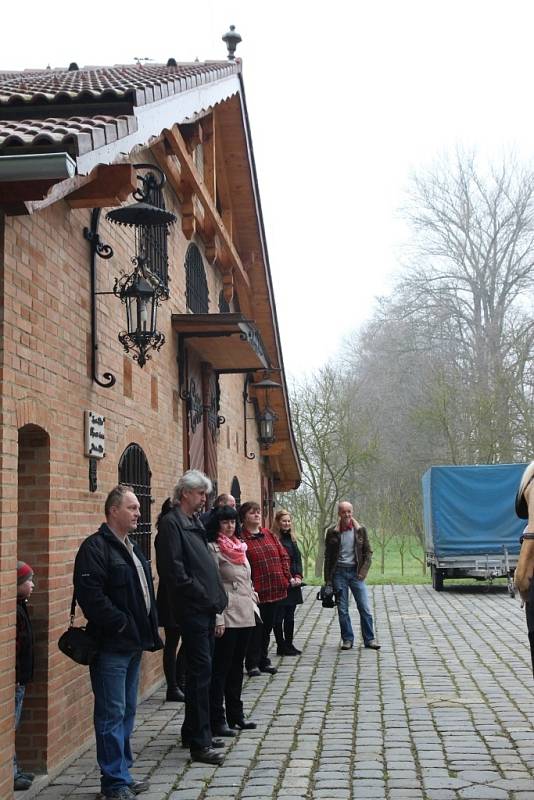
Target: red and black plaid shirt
[(269, 563)]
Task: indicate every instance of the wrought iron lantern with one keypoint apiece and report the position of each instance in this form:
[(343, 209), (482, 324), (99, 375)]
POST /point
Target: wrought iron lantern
[(266, 419), (141, 295), (141, 291)]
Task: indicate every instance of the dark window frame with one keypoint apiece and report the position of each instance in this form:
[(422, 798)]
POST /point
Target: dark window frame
[(224, 305), (153, 240), (235, 490), (196, 284), (134, 471)]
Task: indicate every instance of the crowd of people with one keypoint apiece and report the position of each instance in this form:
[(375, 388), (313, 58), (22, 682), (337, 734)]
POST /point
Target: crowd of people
[(225, 584)]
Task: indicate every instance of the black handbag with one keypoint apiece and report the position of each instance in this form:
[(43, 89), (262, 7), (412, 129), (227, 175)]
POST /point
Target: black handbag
[(76, 643), (327, 596)]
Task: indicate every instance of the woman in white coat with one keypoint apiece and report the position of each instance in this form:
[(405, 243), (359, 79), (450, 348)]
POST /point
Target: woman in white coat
[(234, 626)]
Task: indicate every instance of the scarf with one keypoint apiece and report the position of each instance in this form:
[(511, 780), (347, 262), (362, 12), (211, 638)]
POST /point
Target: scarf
[(232, 548)]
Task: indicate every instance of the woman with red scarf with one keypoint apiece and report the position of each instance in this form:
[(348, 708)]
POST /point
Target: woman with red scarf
[(234, 626)]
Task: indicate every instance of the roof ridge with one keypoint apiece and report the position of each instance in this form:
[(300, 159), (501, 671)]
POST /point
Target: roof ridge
[(139, 83)]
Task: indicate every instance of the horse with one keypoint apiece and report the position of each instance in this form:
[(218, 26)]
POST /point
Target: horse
[(524, 506), (524, 572)]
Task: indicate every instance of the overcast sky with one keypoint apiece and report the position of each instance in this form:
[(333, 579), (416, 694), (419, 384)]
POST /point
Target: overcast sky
[(345, 99)]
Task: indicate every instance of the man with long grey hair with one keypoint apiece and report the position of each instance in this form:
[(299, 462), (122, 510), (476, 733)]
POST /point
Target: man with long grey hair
[(190, 594)]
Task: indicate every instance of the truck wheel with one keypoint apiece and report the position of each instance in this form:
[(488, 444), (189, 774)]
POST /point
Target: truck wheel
[(437, 578)]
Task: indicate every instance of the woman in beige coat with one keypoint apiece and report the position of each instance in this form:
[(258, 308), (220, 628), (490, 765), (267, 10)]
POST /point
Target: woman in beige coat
[(234, 626)]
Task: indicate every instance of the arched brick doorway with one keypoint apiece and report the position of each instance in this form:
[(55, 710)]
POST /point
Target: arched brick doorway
[(33, 546)]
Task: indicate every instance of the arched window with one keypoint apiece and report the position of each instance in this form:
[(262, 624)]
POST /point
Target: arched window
[(235, 490), (135, 472), (196, 285), (153, 241)]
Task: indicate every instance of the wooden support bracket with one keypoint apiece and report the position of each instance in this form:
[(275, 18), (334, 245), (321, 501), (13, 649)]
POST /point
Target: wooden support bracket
[(187, 173), (108, 185)]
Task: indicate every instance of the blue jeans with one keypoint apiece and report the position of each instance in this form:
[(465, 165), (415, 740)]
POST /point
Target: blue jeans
[(19, 698), (345, 578), (115, 678)]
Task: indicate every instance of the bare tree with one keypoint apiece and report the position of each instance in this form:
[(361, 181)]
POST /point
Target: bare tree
[(470, 273), (444, 370), (301, 506)]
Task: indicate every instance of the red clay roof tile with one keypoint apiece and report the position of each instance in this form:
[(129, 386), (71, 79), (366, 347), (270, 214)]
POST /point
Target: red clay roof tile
[(143, 83), (128, 85)]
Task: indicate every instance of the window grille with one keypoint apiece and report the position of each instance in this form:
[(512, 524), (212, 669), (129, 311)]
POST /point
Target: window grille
[(196, 286), (135, 472), (235, 490), (153, 241)]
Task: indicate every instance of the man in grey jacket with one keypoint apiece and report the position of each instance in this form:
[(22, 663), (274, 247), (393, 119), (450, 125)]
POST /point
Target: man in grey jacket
[(190, 594)]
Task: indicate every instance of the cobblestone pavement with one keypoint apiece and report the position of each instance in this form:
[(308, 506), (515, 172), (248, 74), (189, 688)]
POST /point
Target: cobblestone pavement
[(442, 712)]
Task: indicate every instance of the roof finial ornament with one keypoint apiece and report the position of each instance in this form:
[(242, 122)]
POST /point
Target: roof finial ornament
[(232, 39)]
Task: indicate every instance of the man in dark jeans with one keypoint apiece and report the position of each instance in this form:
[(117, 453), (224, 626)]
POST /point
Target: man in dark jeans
[(113, 586), (190, 594)]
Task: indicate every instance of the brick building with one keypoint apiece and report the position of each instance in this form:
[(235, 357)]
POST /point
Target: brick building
[(71, 393)]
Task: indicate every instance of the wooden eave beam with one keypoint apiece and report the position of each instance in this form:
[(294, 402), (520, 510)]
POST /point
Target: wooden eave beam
[(189, 174), (274, 450), (108, 185), (13, 194)]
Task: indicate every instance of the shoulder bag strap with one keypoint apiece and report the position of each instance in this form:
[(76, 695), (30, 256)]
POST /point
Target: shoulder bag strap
[(72, 609)]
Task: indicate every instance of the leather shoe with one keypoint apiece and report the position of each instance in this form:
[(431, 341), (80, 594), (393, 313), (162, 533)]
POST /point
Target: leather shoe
[(244, 725), (207, 755), (372, 645), (223, 730), (269, 670), (287, 650), (138, 787), (347, 645), (174, 695), (20, 784), (216, 743), (254, 673), (122, 793), (291, 650)]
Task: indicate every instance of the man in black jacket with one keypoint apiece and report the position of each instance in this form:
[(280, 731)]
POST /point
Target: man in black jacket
[(190, 594), (114, 589)]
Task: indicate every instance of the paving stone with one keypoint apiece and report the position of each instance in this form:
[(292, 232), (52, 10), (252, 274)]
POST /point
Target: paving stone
[(441, 794), (479, 792), (443, 712)]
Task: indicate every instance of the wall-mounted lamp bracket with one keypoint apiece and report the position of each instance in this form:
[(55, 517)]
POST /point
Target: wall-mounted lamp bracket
[(102, 251)]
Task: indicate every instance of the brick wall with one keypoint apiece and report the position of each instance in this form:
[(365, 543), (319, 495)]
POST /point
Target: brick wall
[(46, 389)]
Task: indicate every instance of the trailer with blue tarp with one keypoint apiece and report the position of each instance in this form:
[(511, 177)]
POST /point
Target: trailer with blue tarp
[(471, 528)]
